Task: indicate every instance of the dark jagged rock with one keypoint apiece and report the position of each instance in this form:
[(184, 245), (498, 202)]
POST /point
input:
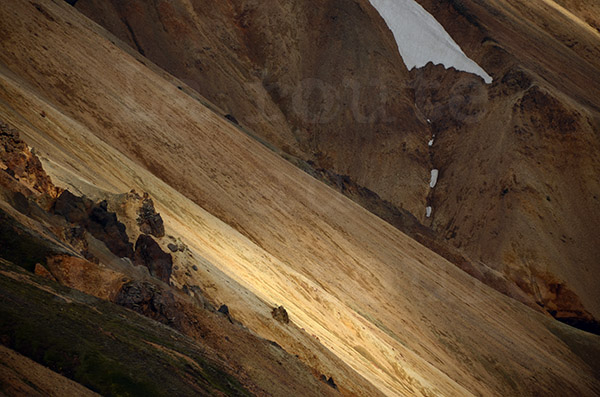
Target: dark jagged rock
[(280, 314), (97, 220), (329, 381), (172, 247), (148, 253), (177, 246), (73, 208), (149, 221), (105, 226), (151, 301), (224, 309)]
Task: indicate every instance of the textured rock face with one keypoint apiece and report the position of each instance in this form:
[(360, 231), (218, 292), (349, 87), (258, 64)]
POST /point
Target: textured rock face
[(148, 253), (512, 183), (502, 197), (150, 301), (149, 220), (517, 190), (20, 165), (73, 208), (96, 219), (334, 94), (85, 276)]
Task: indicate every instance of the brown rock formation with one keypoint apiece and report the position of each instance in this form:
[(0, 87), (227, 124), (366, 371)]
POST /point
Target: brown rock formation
[(97, 220), (149, 220), (22, 170), (86, 276), (151, 301), (149, 254), (518, 159)]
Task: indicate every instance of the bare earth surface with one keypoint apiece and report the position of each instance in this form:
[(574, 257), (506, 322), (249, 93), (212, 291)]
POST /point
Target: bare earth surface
[(262, 233), (515, 195), (20, 376)]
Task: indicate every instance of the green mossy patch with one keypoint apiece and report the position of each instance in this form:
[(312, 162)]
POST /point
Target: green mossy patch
[(106, 348), (21, 247)]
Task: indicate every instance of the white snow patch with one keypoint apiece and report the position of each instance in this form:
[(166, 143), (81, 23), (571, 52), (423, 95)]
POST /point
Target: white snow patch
[(434, 178), (422, 39), (429, 209)]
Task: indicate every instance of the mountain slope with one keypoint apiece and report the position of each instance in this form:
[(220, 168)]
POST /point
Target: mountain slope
[(519, 160), (335, 94), (404, 318), (504, 202), (102, 346)]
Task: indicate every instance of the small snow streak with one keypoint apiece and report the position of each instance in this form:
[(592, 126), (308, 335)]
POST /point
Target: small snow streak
[(434, 178)]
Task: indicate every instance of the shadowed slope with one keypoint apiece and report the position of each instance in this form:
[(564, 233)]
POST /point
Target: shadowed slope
[(404, 318)]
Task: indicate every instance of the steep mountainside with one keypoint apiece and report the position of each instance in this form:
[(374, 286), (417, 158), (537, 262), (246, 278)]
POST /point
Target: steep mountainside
[(515, 195), (368, 306), (519, 187), (323, 83)]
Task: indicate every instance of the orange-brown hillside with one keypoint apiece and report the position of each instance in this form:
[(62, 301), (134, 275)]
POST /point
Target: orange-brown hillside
[(368, 306)]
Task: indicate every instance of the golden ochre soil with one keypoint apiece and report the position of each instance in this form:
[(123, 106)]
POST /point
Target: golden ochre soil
[(262, 233), (516, 203)]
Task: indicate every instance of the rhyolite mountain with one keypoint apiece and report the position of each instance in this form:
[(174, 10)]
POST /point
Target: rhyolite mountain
[(226, 115), (518, 159)]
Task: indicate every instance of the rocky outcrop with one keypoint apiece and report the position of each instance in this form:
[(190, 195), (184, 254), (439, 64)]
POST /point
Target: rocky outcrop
[(105, 226), (97, 220), (149, 221), (514, 217), (21, 170), (151, 301), (149, 254), (558, 299), (73, 208), (280, 314)]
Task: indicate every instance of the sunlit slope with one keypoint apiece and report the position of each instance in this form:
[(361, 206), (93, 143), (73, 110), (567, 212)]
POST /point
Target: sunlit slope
[(514, 193), (324, 82), (401, 316)]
